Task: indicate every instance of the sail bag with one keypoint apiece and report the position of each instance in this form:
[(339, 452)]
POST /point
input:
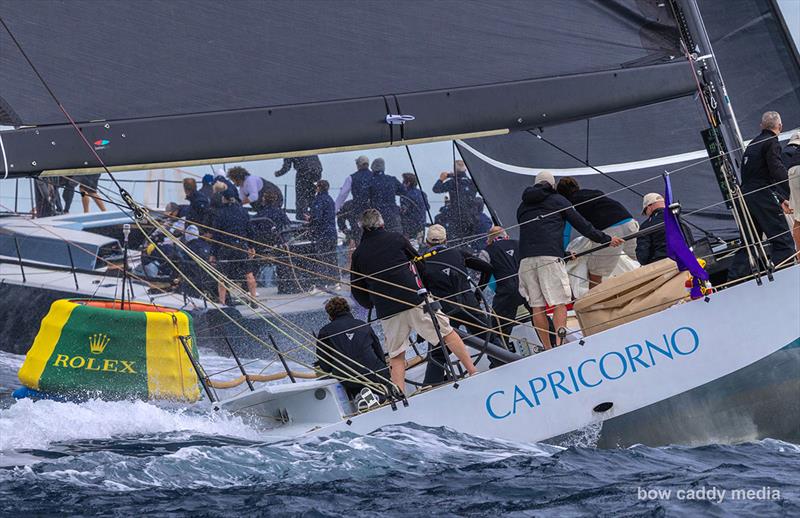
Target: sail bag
[(88, 348), (631, 296)]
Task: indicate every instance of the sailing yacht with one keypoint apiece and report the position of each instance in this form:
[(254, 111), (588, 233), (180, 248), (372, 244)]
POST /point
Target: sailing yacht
[(639, 80)]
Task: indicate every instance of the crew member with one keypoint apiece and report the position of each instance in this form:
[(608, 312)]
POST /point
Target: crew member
[(322, 230), (270, 220), (791, 159), (251, 188), (231, 248), (353, 340), (766, 193), (384, 277), (605, 214), (652, 246), (198, 202), (88, 189), (383, 191), (543, 278), (309, 171), (413, 207), (356, 184), (462, 193), (502, 253), (445, 277)]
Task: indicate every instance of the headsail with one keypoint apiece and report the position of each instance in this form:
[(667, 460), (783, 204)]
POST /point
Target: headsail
[(232, 81), (762, 72)]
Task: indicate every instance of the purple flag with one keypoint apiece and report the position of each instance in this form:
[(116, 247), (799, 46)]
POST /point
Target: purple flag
[(677, 249)]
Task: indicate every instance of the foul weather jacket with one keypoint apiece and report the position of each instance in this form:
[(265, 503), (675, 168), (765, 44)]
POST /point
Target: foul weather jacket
[(322, 224), (387, 258), (762, 166), (355, 340), (652, 247), (598, 209), (542, 216), (383, 192)]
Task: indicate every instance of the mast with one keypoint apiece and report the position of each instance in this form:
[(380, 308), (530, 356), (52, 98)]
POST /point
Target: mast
[(723, 139)]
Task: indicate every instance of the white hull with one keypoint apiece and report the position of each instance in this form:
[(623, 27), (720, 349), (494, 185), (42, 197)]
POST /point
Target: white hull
[(540, 397)]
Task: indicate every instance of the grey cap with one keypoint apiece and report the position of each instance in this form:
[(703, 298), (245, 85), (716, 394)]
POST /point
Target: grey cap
[(378, 165)]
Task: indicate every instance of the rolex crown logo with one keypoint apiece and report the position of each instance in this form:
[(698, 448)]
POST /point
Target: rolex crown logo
[(98, 342)]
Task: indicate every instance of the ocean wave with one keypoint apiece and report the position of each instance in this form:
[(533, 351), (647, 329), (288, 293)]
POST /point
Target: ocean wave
[(29, 424)]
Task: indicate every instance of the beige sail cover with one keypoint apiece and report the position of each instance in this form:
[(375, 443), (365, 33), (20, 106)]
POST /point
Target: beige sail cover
[(630, 296)]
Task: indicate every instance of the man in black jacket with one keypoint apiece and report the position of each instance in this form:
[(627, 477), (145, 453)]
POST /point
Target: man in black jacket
[(309, 172), (356, 347), (652, 246), (791, 159), (232, 248), (543, 278), (502, 253), (766, 192), (604, 214), (445, 276), (462, 192), (384, 276)]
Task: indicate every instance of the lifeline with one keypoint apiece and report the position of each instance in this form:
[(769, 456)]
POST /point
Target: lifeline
[(592, 372)]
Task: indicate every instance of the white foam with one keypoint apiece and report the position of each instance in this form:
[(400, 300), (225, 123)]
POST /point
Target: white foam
[(31, 424)]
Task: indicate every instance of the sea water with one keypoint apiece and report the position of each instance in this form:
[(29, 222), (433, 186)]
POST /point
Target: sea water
[(133, 457)]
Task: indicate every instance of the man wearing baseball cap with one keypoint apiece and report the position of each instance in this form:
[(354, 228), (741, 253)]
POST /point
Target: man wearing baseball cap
[(652, 246)]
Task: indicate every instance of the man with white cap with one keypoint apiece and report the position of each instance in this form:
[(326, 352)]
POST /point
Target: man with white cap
[(652, 246), (791, 159), (543, 279)]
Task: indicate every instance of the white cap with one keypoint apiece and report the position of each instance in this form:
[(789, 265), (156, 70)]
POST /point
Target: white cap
[(649, 199), (436, 234), (795, 138), (546, 177)]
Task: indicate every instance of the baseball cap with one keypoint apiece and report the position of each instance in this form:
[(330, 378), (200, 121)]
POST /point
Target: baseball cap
[(436, 234), (649, 199), (546, 177)]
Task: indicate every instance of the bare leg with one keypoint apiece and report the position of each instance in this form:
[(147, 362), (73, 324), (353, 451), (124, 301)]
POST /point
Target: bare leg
[(542, 326), (559, 318), (456, 345), (796, 235), (98, 201), (251, 284), (594, 280), (84, 200), (398, 371)]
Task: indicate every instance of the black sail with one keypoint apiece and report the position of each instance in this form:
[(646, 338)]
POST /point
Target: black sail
[(761, 69), (172, 81)]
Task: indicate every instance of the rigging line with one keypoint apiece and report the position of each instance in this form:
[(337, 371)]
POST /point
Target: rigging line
[(606, 175), (234, 288), (419, 183), (5, 160)]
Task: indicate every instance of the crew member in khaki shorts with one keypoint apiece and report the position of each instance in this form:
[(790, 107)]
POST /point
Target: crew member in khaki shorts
[(397, 328), (543, 281)]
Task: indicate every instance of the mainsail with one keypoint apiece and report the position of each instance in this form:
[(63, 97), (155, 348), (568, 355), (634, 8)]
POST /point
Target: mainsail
[(211, 81), (762, 72)]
